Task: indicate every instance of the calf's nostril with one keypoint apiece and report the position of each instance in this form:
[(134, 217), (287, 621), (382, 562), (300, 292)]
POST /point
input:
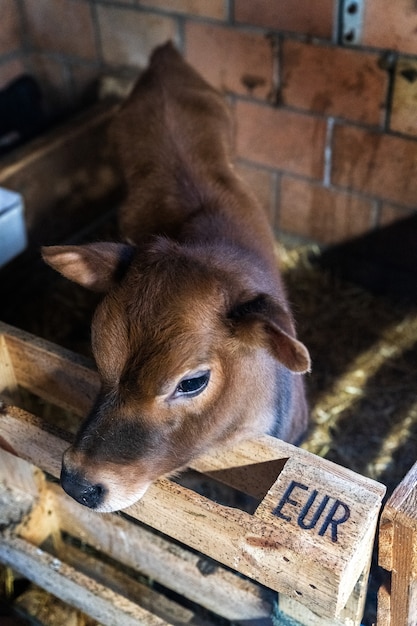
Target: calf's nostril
[(76, 486), (91, 496)]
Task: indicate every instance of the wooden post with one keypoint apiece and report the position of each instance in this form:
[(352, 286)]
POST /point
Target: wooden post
[(398, 555), (15, 473)]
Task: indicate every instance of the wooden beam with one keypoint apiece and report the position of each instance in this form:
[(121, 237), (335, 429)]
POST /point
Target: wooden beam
[(398, 554), (217, 589), (314, 563), (72, 586), (124, 585), (79, 158), (42, 368)]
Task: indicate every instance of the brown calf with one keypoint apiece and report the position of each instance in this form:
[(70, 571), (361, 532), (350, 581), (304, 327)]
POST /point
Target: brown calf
[(194, 340)]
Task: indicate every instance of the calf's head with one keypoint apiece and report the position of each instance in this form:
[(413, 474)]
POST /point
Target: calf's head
[(185, 349)]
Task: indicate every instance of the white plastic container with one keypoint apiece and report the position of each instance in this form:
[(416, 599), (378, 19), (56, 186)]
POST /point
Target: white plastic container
[(13, 239)]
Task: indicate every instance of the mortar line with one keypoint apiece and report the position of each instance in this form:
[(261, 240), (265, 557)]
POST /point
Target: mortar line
[(328, 149)]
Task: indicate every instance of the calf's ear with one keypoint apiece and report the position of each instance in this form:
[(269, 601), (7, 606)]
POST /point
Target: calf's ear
[(96, 266), (262, 321)]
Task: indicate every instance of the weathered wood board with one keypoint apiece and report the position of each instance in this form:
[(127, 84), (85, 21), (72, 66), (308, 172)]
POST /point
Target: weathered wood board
[(398, 555), (74, 587), (310, 537), (64, 176)]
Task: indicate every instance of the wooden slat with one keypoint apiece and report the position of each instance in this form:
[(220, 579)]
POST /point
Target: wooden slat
[(15, 473), (79, 159), (72, 586), (8, 380), (277, 554), (29, 438), (174, 567), (264, 449), (384, 606), (398, 554), (125, 586), (351, 615), (43, 369)]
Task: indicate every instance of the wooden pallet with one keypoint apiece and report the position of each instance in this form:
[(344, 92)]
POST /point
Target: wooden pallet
[(310, 537)]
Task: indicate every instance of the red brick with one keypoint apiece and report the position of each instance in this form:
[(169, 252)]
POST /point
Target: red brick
[(10, 32), (301, 16), (262, 183), (390, 24), (229, 59), (62, 26), (382, 165), (334, 81), (391, 213), (128, 36), (214, 9), (325, 215), (280, 139), (403, 117)]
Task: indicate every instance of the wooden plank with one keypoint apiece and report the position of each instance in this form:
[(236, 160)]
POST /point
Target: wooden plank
[(124, 585), (384, 606), (52, 373), (72, 586), (264, 450), (412, 603), (263, 547), (14, 506), (214, 588), (41, 521), (79, 159), (351, 615), (322, 503), (274, 553), (14, 472), (28, 437), (8, 380), (398, 553)]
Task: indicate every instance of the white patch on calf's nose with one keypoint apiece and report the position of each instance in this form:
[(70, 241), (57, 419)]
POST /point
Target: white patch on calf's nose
[(121, 486), (116, 500)]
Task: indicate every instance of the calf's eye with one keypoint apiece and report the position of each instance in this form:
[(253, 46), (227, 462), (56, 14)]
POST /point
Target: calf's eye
[(193, 385)]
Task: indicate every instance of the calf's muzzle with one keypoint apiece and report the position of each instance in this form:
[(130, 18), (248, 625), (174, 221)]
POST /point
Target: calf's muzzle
[(81, 489)]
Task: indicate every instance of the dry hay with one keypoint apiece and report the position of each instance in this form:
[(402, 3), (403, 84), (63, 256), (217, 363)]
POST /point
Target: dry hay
[(362, 388)]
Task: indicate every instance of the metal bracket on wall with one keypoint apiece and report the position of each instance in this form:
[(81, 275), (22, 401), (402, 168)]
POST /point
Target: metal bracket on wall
[(350, 22)]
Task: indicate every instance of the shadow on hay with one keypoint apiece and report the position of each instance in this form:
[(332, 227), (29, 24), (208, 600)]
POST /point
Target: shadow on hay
[(377, 434), (337, 320), (368, 399)]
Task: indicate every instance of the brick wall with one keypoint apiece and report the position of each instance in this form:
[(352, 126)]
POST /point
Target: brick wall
[(326, 133)]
